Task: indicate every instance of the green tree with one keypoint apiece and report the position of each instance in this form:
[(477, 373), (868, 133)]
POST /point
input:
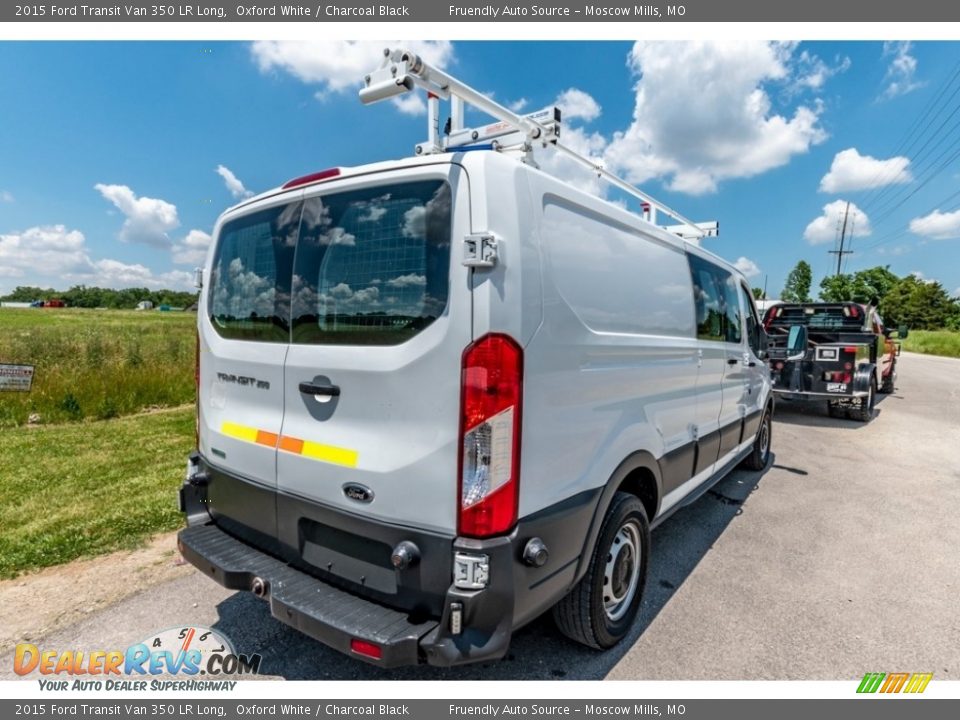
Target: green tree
[(920, 305), (797, 287), (758, 294), (836, 288)]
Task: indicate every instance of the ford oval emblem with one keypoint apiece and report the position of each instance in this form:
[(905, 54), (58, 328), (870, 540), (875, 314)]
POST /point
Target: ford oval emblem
[(358, 492)]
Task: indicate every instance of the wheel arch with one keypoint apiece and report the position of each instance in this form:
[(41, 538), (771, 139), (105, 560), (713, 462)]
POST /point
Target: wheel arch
[(639, 475)]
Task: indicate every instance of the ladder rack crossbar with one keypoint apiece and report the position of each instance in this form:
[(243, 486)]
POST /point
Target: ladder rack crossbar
[(402, 70)]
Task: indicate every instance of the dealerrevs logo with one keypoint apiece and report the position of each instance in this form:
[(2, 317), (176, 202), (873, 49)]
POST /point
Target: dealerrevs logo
[(186, 651)]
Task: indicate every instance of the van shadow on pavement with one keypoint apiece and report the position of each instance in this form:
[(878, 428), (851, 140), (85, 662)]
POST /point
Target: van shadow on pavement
[(538, 651)]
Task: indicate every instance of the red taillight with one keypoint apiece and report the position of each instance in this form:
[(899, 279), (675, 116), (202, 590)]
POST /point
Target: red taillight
[(847, 377), (312, 177), (850, 349), (848, 366), (368, 649), (196, 386), (490, 418), (854, 311)]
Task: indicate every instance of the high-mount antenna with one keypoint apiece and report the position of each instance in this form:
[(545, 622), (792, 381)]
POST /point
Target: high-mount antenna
[(401, 71)]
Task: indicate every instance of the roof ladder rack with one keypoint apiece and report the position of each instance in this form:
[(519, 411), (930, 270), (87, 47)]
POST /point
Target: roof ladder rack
[(402, 71)]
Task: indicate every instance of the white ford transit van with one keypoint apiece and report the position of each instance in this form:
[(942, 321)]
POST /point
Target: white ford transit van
[(439, 396)]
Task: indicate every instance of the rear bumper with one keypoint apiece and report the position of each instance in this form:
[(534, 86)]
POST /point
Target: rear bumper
[(321, 611), (409, 617), (788, 394)]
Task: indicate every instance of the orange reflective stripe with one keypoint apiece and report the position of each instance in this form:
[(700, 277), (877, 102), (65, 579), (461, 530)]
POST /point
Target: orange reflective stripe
[(291, 444), (267, 438)]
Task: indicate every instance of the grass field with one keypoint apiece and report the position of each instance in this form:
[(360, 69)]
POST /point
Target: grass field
[(933, 342), (97, 364), (80, 489)]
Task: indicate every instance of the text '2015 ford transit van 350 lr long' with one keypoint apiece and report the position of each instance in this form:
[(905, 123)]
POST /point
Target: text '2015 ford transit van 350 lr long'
[(438, 396)]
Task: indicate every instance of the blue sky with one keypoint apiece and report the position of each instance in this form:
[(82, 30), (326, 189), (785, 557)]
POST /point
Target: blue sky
[(117, 157)]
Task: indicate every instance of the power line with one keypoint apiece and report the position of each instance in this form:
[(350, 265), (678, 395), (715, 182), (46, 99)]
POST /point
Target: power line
[(902, 146)]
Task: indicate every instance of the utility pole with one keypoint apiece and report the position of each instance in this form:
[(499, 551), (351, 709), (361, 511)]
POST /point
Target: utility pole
[(843, 232)]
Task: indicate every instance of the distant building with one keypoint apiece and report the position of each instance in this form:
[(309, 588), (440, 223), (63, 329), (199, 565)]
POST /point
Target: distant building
[(144, 305)]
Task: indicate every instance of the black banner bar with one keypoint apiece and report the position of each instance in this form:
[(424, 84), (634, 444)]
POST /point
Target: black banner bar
[(458, 11)]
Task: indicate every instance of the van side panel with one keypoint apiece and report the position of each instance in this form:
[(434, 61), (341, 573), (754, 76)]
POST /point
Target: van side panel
[(613, 369)]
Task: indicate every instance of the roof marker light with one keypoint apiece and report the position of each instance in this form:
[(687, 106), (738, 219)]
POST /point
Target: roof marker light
[(312, 178)]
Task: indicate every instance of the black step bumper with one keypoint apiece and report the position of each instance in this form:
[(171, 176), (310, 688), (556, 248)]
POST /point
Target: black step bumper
[(326, 613)]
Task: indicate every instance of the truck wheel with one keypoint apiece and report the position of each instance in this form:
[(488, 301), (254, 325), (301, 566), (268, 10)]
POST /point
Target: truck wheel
[(864, 412), (601, 608), (886, 387), (760, 454)]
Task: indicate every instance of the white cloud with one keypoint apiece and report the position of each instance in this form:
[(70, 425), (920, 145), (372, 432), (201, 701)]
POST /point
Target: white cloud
[(826, 228), (956, 293), (747, 266), (51, 254), (6, 196), (937, 225), (410, 280), (901, 73), (703, 115), (147, 219), (575, 104), (48, 251), (192, 250), (233, 183), (852, 171), (518, 105), (340, 65), (812, 73)]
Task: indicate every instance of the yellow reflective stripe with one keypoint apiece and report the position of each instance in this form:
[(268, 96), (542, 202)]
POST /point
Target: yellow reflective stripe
[(307, 448), (329, 453), (240, 432)]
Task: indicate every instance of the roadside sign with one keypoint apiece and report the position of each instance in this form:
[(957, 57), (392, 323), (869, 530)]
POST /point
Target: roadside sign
[(16, 378)]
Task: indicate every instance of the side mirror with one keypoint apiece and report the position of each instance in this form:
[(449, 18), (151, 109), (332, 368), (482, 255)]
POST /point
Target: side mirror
[(763, 342), (198, 278), (797, 342), (902, 332)]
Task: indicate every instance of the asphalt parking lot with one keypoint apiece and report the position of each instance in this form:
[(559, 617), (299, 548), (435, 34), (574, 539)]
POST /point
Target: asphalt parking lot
[(842, 557)]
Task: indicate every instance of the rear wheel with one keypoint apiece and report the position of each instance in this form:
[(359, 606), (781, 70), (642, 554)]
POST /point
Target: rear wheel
[(760, 454), (601, 608), (864, 411), (886, 387)]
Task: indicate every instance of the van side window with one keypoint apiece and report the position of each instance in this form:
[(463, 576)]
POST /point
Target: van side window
[(373, 265), (733, 317), (708, 298), (753, 323), (250, 283)]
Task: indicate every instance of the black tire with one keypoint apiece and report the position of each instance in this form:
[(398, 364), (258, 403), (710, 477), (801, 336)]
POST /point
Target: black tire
[(864, 411), (836, 410), (886, 387), (760, 454), (587, 614)]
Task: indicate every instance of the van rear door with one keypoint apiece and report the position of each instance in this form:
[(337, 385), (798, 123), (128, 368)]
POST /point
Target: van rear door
[(381, 315), (244, 334)]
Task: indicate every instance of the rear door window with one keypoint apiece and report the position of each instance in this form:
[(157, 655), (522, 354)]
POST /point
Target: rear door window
[(250, 283), (372, 265)]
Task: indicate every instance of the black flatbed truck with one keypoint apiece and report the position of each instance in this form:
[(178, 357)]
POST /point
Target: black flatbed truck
[(837, 353)]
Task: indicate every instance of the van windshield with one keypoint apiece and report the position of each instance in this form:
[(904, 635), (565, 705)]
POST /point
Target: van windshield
[(365, 267), (372, 265)]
